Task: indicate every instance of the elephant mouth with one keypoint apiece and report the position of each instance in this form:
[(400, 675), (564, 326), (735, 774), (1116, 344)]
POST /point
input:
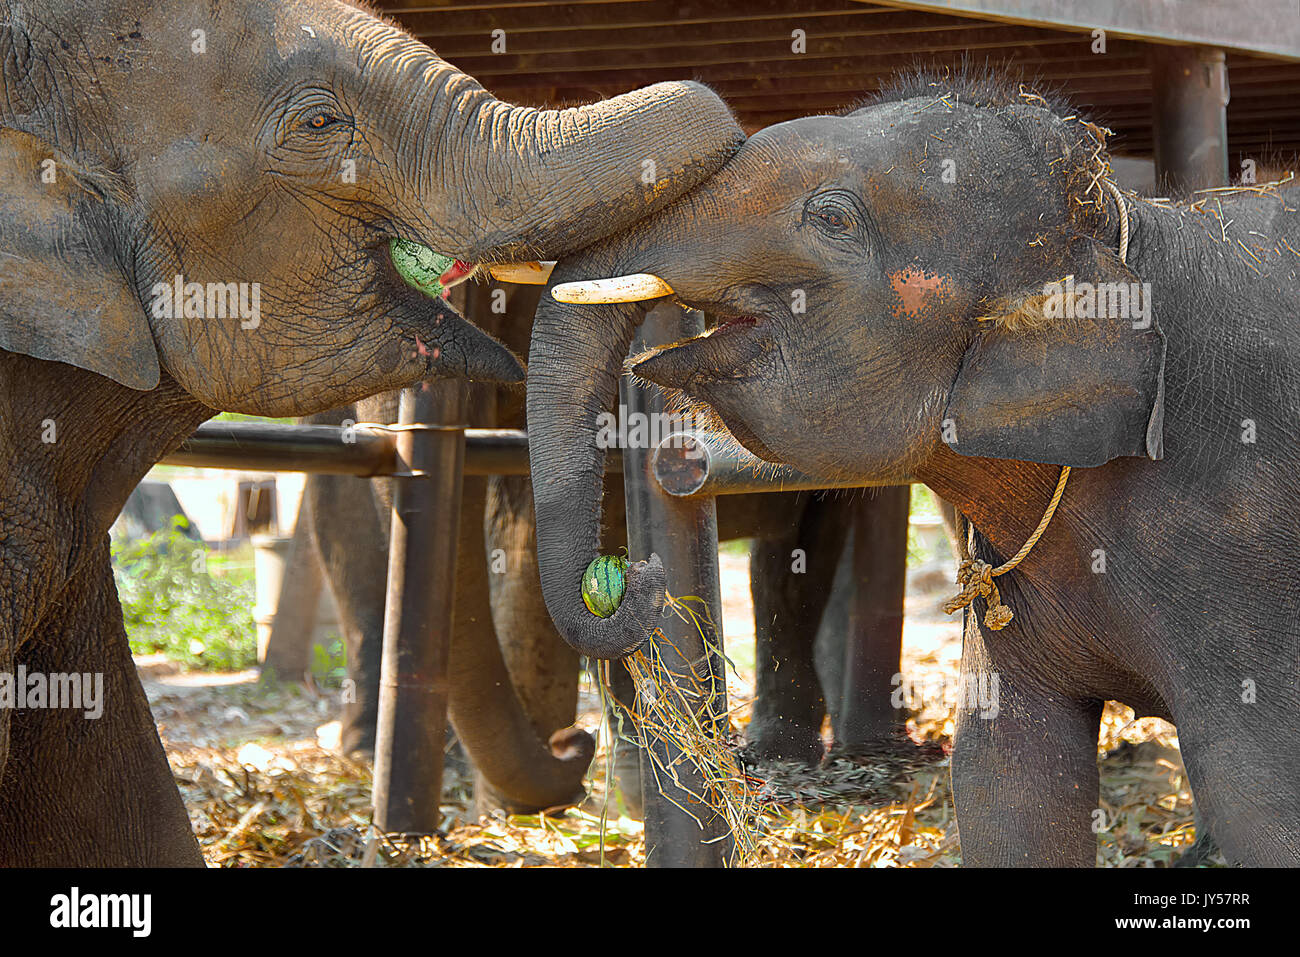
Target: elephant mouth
[(456, 273)]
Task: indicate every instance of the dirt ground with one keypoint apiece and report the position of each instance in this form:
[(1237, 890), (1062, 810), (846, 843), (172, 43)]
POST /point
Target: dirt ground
[(264, 788)]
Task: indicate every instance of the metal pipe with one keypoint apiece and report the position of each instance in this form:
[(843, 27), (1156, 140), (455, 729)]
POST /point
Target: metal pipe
[(359, 450), (679, 830), (693, 462), (418, 610)]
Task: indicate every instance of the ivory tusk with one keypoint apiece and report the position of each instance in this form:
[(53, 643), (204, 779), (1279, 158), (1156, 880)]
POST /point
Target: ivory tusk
[(529, 274), (633, 288)]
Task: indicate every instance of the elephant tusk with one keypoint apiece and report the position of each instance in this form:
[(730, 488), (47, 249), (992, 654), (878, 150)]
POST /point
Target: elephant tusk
[(633, 288), (529, 274)]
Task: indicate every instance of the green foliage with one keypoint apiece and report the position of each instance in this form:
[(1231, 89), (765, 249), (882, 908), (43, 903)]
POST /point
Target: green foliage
[(241, 417), (329, 665), (921, 547), (923, 503), (174, 603)]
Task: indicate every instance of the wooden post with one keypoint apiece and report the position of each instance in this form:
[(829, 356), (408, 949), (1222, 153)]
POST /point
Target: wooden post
[(683, 532), (418, 612), (287, 654)]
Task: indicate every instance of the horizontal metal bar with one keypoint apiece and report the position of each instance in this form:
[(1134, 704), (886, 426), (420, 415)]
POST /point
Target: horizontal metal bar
[(275, 447)]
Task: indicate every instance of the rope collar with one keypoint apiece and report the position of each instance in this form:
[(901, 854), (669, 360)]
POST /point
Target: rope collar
[(975, 575)]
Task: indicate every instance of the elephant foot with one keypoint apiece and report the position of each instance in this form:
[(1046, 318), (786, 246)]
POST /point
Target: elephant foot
[(783, 741), (488, 800), (895, 749), (357, 732), (358, 748)]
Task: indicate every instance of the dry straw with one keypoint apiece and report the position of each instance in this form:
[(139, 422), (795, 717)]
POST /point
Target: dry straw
[(674, 714)]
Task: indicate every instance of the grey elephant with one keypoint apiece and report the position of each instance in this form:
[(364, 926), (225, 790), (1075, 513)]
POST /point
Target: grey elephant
[(978, 334), (200, 205)]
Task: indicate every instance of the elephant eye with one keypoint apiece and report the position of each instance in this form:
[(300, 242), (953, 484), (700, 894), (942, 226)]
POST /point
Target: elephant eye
[(320, 120), (838, 215), (832, 220)]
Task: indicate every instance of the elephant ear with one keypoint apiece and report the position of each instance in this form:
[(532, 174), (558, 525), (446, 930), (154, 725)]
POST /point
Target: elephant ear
[(63, 296), (1039, 386)]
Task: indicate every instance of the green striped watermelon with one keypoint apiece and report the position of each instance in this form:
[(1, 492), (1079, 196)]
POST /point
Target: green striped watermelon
[(603, 584), (419, 265)]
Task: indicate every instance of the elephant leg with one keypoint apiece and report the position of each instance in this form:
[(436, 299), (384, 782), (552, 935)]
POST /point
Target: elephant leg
[(868, 721), (352, 543), (1024, 771), (790, 578), (543, 669), (1247, 795), (287, 654), (831, 644), (90, 791)]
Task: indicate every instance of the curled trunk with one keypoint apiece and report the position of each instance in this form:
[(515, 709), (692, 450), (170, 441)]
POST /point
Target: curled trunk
[(578, 353)]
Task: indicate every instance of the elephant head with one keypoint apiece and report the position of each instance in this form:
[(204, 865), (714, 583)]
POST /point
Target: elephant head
[(881, 283), (215, 191)]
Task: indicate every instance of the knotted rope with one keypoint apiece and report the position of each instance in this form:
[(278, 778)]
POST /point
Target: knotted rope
[(975, 575)]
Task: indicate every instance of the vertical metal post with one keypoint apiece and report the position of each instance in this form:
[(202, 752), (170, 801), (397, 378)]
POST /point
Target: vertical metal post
[(1190, 87), (680, 831), (418, 611), (874, 649)]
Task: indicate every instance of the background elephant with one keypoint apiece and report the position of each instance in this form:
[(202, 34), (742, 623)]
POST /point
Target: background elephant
[(197, 206), (1166, 579), (502, 626)]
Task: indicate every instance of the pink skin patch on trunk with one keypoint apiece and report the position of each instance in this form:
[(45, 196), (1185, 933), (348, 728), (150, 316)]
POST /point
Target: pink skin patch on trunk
[(918, 290), (423, 350)]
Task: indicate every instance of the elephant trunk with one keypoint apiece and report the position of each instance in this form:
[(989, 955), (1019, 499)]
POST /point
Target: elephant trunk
[(579, 344), (543, 183), (576, 356)]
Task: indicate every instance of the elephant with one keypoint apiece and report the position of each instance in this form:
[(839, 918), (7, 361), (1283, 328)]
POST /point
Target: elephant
[(512, 683), (943, 286), (229, 206)]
